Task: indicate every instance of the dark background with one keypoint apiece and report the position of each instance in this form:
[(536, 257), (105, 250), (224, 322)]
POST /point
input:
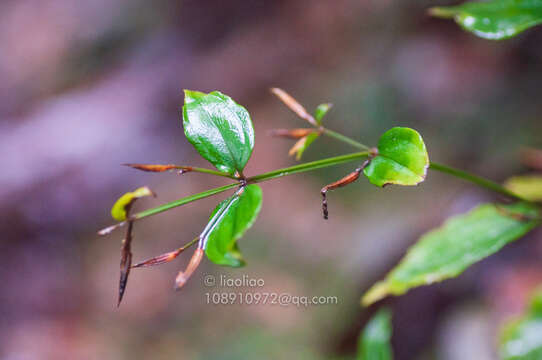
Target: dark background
[(88, 85)]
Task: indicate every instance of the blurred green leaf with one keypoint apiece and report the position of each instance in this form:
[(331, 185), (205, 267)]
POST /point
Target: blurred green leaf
[(528, 186), (220, 129), (494, 20), (321, 111), (121, 207), (239, 215), (462, 241), (521, 339), (374, 341), (402, 159), (302, 144)]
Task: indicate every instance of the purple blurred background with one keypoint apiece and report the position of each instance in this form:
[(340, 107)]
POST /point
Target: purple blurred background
[(89, 85)]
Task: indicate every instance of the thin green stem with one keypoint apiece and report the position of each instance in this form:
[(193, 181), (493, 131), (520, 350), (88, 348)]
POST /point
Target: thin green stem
[(183, 201), (208, 171), (477, 180), (344, 139), (309, 166), (313, 165), (480, 181)]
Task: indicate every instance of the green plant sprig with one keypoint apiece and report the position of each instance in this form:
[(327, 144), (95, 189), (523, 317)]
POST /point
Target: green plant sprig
[(464, 175), (221, 131)]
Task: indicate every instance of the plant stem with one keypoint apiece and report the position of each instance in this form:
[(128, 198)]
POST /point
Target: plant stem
[(480, 181), (477, 180), (313, 165), (345, 139), (183, 201), (309, 166), (208, 171)]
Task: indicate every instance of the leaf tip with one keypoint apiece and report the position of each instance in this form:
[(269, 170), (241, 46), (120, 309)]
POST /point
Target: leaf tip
[(377, 292), (183, 276), (192, 95), (441, 12)]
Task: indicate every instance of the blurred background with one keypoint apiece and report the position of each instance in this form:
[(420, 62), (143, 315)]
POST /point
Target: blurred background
[(88, 85)]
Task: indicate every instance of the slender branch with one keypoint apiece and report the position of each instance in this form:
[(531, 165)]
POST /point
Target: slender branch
[(477, 180), (344, 139), (480, 181), (313, 165), (309, 166), (183, 201), (210, 171)]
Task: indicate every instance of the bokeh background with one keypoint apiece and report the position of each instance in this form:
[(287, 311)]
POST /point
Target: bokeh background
[(88, 85)]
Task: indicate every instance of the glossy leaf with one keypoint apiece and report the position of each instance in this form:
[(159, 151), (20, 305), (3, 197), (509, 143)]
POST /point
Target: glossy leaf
[(521, 339), (496, 19), (220, 129), (374, 341), (402, 159), (462, 241), (122, 205), (528, 186), (238, 217), (321, 111)]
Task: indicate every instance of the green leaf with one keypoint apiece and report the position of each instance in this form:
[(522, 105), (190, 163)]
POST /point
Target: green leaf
[(302, 144), (528, 186), (239, 214), (462, 241), (402, 159), (374, 341), (521, 339), (494, 20), (321, 111), (220, 129), (121, 207)]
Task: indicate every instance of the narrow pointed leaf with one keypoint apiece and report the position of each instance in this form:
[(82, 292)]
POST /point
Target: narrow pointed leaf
[(462, 241), (219, 129), (293, 105), (496, 19), (242, 212), (528, 186), (321, 111), (157, 167), (374, 341), (125, 261), (291, 133), (122, 205), (302, 144), (521, 339), (402, 159)]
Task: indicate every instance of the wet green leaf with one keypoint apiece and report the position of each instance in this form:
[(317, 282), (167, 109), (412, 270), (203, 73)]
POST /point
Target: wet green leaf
[(450, 249), (521, 339), (528, 186), (374, 341), (321, 111), (122, 205), (241, 212), (494, 20), (220, 129), (402, 159)]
